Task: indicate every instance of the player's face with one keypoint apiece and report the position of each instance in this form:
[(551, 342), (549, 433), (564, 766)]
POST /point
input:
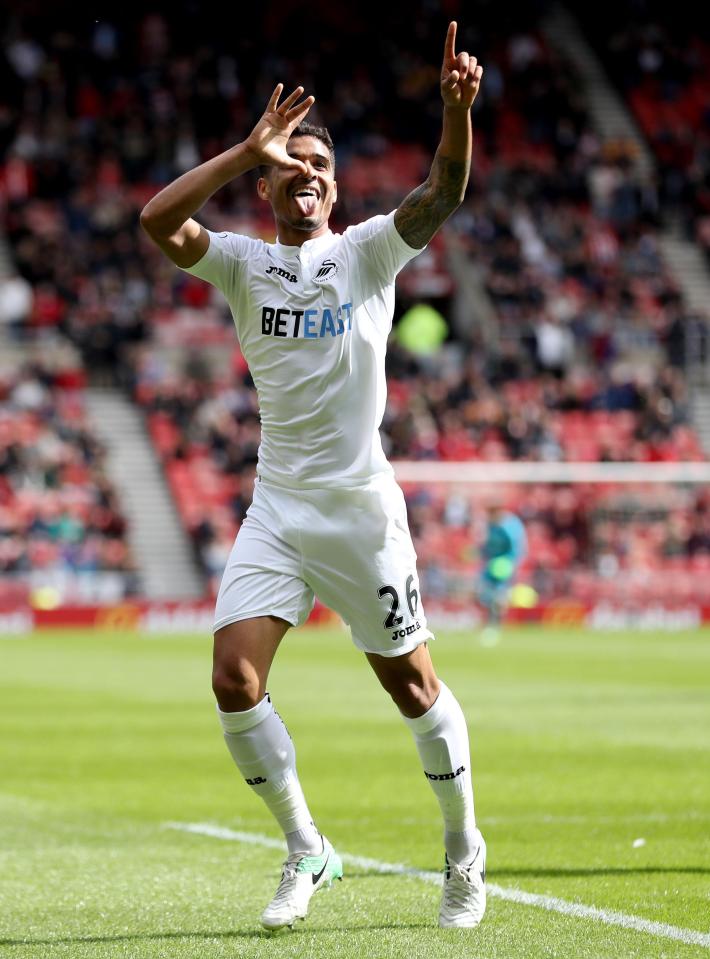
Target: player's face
[(302, 201)]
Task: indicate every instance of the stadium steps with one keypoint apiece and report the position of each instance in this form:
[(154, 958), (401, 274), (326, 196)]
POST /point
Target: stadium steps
[(690, 269), (472, 308), (700, 411), (160, 545), (612, 120)]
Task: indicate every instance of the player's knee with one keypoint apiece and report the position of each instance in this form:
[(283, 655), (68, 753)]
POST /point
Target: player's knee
[(236, 685)]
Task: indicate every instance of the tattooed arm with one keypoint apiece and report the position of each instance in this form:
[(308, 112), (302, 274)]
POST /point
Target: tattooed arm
[(421, 214)]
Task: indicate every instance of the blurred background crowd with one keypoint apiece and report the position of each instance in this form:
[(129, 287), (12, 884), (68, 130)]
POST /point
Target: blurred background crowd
[(558, 330)]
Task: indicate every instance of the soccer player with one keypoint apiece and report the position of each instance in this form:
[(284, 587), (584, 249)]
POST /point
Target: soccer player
[(313, 312), (503, 550)]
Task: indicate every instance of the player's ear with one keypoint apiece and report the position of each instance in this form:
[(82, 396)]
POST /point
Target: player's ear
[(263, 188), (335, 192)]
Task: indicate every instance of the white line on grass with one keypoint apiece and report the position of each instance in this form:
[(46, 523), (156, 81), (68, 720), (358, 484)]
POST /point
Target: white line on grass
[(690, 937)]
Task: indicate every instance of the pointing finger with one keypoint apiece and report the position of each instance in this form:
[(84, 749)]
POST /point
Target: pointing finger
[(450, 44)]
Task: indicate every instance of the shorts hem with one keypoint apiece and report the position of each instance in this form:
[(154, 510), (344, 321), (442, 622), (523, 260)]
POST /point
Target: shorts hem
[(253, 614), (396, 650)]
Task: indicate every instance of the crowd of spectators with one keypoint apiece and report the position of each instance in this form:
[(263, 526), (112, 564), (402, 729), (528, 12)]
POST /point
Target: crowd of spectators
[(587, 542), (98, 115), (62, 532), (586, 358), (206, 430), (661, 65), (457, 408)]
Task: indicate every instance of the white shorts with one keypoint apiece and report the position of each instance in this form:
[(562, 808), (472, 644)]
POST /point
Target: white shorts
[(349, 547)]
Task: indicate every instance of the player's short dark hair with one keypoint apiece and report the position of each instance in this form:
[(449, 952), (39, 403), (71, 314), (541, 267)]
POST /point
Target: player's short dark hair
[(310, 130)]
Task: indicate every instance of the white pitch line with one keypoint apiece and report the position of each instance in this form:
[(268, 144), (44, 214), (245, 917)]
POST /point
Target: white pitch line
[(691, 937)]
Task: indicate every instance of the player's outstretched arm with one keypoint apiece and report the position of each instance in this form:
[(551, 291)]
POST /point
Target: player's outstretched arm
[(167, 218), (421, 214)]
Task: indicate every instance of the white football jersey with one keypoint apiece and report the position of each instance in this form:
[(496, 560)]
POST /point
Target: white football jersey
[(313, 323)]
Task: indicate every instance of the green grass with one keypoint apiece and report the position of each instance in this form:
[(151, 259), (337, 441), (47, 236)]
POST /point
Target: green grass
[(582, 743)]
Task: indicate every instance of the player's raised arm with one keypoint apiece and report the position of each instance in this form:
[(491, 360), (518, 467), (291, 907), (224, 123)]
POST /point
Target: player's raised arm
[(421, 214), (167, 218)]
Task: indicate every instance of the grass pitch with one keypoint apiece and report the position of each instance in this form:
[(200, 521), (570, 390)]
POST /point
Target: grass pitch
[(591, 770)]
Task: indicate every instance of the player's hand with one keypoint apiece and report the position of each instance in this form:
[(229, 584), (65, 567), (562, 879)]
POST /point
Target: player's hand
[(267, 141), (460, 74)]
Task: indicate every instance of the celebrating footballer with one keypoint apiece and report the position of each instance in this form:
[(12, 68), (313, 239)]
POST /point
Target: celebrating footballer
[(313, 312)]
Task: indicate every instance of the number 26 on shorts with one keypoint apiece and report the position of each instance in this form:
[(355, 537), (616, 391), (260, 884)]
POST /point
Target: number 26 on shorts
[(393, 619)]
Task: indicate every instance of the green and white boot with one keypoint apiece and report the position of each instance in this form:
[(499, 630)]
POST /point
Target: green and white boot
[(463, 900), (302, 876)]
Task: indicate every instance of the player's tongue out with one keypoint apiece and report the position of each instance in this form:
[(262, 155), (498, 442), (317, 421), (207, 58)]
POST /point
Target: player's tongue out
[(306, 201)]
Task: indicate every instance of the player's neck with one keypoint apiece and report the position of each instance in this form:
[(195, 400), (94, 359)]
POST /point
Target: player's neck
[(290, 236)]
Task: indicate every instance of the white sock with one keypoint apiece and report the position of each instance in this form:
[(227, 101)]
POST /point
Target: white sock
[(307, 841), (264, 753), (442, 740)]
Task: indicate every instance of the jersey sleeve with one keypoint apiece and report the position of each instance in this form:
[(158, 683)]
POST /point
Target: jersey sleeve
[(223, 263), (380, 246)]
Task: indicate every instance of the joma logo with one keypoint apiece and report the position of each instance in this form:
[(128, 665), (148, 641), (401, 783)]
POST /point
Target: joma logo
[(443, 776), (291, 277), (407, 631)]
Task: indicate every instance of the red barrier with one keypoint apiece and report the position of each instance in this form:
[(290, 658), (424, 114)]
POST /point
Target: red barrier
[(196, 617), (168, 617)]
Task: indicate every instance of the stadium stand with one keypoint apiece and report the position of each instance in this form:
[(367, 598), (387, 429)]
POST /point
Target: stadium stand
[(61, 525), (661, 65), (589, 349)]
